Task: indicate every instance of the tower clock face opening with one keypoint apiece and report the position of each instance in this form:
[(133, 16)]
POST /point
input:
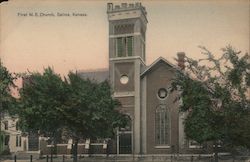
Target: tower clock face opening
[(124, 79)]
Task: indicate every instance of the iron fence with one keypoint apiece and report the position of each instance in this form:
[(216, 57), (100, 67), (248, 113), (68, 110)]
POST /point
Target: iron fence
[(127, 158)]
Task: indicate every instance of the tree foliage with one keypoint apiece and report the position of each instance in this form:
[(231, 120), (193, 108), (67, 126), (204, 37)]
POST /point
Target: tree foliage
[(7, 101), (6, 83), (84, 108), (215, 95), (89, 111), (40, 97)]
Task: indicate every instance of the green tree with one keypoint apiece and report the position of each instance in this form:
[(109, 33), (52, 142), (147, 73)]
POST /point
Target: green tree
[(90, 111), (7, 101), (40, 98), (215, 93), (6, 84), (84, 108)]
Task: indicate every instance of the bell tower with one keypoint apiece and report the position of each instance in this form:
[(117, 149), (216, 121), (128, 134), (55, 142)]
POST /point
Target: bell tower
[(127, 28)]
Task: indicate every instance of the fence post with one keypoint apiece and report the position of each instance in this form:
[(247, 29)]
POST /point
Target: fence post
[(47, 158), (192, 158), (51, 158), (15, 158), (63, 158), (31, 158)]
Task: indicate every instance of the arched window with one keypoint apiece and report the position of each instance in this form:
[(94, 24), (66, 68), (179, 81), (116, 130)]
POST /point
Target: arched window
[(162, 125), (128, 127), (125, 138)]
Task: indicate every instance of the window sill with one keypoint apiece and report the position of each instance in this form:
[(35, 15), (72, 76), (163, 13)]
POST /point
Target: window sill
[(162, 147)]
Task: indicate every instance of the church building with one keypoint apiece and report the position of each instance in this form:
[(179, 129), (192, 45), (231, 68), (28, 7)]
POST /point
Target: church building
[(143, 90)]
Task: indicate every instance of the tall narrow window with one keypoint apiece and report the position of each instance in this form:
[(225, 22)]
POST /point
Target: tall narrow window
[(17, 141), (6, 140), (129, 46), (17, 125), (20, 141), (143, 51), (162, 125), (124, 46), (119, 47), (6, 126)]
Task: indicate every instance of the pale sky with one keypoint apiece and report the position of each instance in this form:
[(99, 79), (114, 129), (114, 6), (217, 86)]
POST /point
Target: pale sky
[(80, 43)]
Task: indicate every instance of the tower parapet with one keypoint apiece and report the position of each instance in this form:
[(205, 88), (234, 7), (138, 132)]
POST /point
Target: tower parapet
[(125, 11), (125, 7)]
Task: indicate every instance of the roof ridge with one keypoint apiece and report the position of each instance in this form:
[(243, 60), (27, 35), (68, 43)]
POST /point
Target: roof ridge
[(155, 62)]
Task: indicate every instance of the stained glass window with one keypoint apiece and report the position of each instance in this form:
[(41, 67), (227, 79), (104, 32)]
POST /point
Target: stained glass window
[(162, 123)]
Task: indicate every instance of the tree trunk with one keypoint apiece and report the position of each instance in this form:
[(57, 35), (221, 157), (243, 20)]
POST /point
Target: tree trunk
[(56, 136), (75, 150), (51, 154), (55, 149), (1, 141), (1, 114), (216, 152), (55, 144)]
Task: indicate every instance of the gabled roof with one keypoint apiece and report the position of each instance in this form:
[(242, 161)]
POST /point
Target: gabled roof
[(157, 61)]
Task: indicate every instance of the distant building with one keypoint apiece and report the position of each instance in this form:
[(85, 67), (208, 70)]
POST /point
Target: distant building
[(156, 124), (13, 139)]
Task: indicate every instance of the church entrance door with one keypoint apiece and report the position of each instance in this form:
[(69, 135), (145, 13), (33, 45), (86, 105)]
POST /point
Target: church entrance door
[(125, 142)]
